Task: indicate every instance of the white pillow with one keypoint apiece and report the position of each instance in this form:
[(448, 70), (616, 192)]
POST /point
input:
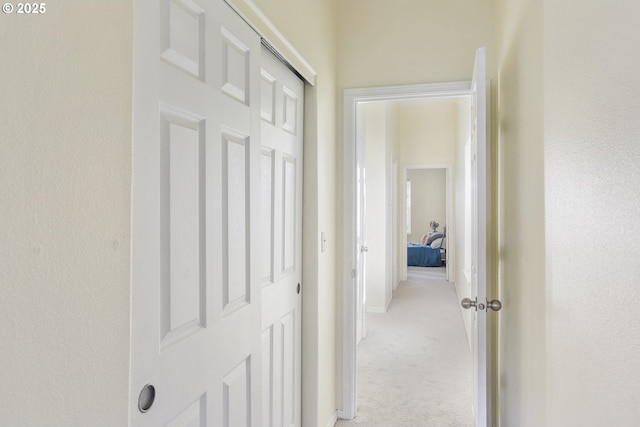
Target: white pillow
[(436, 243)]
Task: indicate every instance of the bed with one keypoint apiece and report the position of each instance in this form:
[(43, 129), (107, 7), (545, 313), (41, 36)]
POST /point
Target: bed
[(423, 255), (430, 252)]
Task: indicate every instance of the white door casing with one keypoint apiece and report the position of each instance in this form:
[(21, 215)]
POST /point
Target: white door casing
[(482, 388), (197, 282), (352, 97), (282, 99), (449, 214)]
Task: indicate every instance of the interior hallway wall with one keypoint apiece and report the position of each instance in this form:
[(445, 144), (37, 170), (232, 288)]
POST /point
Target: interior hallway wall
[(591, 173), (568, 107), (406, 41), (65, 169), (427, 131)]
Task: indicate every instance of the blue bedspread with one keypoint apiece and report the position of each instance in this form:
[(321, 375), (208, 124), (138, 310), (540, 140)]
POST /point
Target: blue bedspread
[(423, 256)]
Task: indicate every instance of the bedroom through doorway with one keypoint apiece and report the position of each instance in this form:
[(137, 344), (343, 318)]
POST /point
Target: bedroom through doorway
[(428, 218)]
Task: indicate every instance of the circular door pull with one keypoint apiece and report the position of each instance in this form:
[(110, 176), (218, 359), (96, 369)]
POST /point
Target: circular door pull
[(146, 398)]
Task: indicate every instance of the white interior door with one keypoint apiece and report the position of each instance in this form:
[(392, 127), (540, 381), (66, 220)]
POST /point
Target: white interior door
[(196, 283), (282, 99), (479, 221), (361, 241)]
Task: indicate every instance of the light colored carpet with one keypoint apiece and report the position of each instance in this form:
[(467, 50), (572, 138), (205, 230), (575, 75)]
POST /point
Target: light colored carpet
[(414, 367)]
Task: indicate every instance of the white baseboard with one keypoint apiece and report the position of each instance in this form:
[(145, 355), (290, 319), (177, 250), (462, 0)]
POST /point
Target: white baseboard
[(332, 422), (379, 310)]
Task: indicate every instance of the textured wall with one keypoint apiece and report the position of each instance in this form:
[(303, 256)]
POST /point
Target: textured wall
[(65, 174), (568, 166), (385, 42), (591, 155)]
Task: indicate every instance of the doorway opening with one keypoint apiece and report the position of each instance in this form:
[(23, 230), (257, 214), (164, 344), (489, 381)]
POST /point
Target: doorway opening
[(429, 220), (354, 99)]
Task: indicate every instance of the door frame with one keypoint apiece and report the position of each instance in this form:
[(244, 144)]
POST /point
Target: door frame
[(352, 97), (450, 224)]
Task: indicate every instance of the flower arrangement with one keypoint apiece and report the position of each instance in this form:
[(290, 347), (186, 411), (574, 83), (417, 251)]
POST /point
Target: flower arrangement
[(434, 225)]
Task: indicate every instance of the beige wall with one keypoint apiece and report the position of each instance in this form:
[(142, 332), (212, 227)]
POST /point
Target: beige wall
[(65, 169), (385, 42), (428, 201), (591, 172), (568, 109), (427, 131)]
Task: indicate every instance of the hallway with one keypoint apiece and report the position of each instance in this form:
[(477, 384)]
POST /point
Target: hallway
[(414, 367)]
